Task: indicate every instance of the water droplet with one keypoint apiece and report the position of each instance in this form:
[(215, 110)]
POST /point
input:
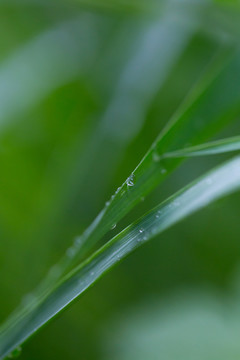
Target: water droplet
[(15, 353), (107, 203), (145, 238), (141, 231), (130, 180), (157, 216), (159, 212), (113, 226), (118, 257), (92, 273)]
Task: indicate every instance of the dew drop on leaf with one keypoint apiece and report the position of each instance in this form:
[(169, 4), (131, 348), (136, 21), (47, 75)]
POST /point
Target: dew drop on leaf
[(130, 180)]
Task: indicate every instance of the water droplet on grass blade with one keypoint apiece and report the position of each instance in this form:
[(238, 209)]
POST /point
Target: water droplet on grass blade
[(131, 180), (113, 226)]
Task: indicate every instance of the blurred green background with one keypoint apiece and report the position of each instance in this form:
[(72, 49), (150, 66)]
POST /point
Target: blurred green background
[(85, 88)]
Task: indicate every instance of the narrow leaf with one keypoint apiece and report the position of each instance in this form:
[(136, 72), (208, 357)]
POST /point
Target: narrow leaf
[(201, 117), (217, 183), (211, 148)]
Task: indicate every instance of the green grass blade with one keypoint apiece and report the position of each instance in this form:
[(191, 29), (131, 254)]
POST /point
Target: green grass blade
[(152, 171), (183, 129), (219, 182), (212, 148)]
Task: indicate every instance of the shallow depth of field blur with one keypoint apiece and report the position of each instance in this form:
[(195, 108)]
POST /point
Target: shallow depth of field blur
[(85, 88)]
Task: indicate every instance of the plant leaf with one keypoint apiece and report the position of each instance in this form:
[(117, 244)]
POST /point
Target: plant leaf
[(219, 182), (200, 117), (212, 148)]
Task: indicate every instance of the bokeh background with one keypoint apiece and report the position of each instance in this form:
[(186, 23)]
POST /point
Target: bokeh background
[(85, 88)]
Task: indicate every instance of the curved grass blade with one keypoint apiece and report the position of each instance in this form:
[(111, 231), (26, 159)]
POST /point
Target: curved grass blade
[(184, 128), (203, 103), (152, 170), (219, 182), (160, 45), (212, 148)]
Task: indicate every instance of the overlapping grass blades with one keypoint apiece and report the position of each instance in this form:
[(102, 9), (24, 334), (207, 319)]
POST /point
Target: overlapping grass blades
[(215, 184), (201, 117), (213, 104)]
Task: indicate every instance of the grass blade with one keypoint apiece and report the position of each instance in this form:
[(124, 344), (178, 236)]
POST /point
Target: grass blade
[(212, 148), (219, 182), (153, 169), (183, 128)]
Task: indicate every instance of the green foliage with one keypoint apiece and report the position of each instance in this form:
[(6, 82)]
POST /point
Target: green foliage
[(81, 101)]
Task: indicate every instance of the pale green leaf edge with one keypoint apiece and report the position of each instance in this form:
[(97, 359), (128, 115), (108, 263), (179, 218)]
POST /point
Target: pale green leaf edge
[(219, 182)]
